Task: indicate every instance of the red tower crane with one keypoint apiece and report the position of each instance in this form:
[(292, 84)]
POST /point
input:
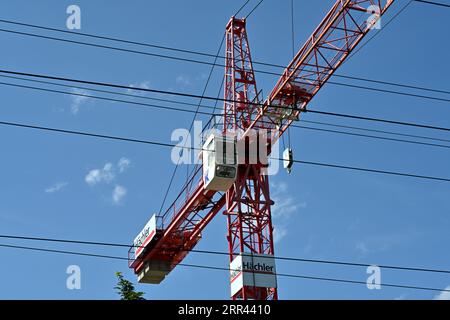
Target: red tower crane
[(243, 188)]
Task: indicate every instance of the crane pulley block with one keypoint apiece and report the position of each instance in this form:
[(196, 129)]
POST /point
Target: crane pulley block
[(288, 159)]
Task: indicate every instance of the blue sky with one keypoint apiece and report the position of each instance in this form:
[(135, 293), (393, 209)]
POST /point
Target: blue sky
[(66, 186)]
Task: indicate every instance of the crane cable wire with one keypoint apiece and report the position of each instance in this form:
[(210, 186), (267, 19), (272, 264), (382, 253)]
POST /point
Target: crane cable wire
[(191, 126)]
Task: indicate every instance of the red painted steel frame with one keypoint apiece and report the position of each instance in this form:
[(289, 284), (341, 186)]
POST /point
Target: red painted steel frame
[(248, 202), (323, 53)]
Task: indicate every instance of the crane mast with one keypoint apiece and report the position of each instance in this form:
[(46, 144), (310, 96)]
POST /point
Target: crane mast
[(248, 202), (169, 237)]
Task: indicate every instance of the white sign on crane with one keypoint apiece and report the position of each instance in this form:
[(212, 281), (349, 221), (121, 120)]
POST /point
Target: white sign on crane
[(145, 236), (252, 270)]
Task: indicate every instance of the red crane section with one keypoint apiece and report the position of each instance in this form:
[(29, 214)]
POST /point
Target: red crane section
[(247, 201), (323, 53)]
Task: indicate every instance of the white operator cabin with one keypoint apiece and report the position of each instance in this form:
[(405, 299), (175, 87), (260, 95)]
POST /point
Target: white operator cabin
[(219, 162)]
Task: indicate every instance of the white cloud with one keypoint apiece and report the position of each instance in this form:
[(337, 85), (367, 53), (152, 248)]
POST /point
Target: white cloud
[(279, 233), (183, 80), (362, 248), (119, 193), (385, 242), (56, 187), (285, 205), (78, 99), (444, 295), (142, 85), (123, 164), (278, 187), (109, 173), (100, 175), (202, 76)]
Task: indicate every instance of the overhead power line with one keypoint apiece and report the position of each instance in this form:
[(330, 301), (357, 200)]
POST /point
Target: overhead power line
[(374, 130), (189, 95), (395, 16), (105, 47), (395, 84), (184, 103), (242, 7), (297, 276), (424, 126), (211, 55), (440, 4), (76, 253), (222, 57), (292, 259), (254, 8), (154, 106), (330, 165), (170, 108), (171, 145), (390, 91), (372, 136), (192, 122), (213, 114)]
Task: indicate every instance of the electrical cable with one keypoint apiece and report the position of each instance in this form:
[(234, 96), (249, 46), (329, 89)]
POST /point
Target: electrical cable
[(297, 276), (372, 136), (192, 124), (374, 130), (219, 99), (379, 30), (221, 65), (155, 106), (215, 106), (190, 111), (213, 55), (107, 91), (320, 164), (253, 10), (212, 114), (292, 259), (434, 3), (241, 8)]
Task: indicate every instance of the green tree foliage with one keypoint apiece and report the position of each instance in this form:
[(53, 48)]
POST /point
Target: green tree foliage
[(126, 289)]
